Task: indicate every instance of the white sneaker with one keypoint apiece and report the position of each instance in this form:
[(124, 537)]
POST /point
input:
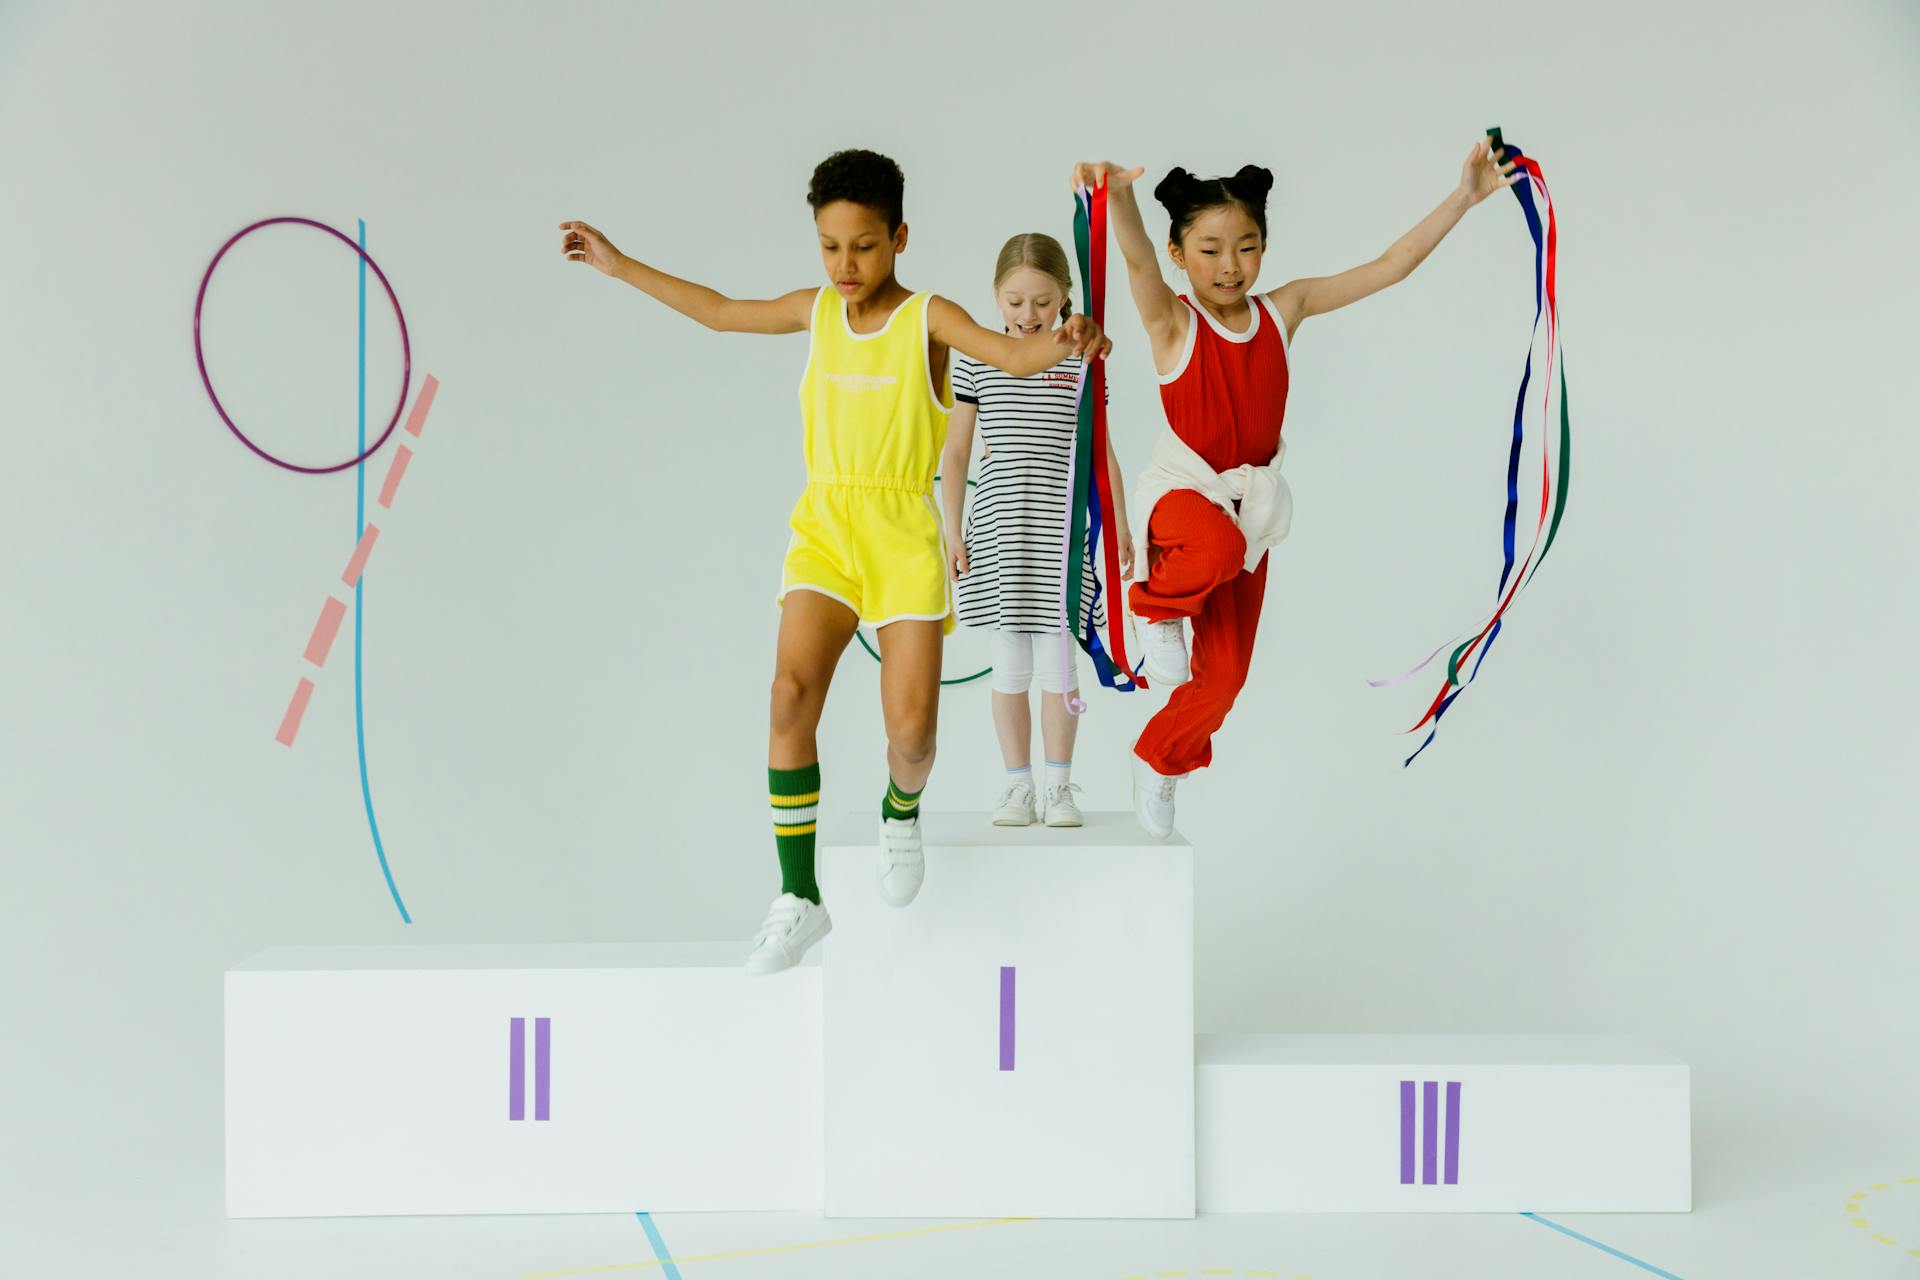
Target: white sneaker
[(902, 865), (1062, 811), (1015, 808), (792, 925), (1166, 652), (1153, 798)]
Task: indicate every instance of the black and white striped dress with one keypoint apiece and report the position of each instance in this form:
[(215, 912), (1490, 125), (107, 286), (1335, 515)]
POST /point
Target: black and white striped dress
[(1018, 510)]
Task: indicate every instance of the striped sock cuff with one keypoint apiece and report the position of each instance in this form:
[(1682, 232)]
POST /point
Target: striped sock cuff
[(898, 803), (795, 797)]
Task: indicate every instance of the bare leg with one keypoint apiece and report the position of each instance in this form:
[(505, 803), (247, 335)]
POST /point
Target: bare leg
[(1058, 726), (814, 631), (910, 698)]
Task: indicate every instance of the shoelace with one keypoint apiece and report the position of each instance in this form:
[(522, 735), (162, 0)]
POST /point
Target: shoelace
[(1013, 788), (1165, 790), (1062, 792)]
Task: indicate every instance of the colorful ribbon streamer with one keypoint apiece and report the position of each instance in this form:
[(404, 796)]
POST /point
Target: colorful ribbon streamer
[(1555, 456), (1088, 531)]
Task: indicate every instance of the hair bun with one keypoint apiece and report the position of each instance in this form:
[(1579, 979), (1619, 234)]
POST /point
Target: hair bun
[(1253, 182), (1170, 189)]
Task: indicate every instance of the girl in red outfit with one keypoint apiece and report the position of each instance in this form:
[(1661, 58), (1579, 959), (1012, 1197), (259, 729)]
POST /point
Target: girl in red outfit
[(1213, 497)]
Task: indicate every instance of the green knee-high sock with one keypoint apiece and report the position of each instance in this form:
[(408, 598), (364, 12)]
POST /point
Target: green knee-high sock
[(898, 803), (796, 803)]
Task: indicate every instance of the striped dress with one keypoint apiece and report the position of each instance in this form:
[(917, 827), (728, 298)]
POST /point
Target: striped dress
[(1018, 511)]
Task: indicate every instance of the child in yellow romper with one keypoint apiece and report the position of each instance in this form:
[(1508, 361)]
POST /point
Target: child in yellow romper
[(867, 542)]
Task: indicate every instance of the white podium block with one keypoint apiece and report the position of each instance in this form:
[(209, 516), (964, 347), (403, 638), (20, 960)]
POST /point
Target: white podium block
[(1019, 1040), (511, 1079), (1569, 1124)]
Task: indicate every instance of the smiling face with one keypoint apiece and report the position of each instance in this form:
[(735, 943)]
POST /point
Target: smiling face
[(856, 248), (1221, 253), (1030, 302)]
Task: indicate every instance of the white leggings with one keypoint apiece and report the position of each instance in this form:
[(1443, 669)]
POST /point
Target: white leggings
[(1017, 654)]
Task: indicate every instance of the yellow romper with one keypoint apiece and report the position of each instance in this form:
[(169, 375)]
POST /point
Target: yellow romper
[(865, 531)]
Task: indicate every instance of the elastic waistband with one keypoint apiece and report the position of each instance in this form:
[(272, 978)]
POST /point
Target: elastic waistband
[(886, 484)]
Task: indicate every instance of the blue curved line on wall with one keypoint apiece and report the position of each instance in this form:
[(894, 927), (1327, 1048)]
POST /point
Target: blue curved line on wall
[(359, 599)]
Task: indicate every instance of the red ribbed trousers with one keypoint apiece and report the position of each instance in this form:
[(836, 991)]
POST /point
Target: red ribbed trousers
[(1196, 570)]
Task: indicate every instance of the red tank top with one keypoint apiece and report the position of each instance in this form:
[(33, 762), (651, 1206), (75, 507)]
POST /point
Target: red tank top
[(1227, 397)]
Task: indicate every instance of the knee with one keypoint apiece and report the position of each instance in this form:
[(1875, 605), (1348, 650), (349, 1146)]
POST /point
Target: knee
[(911, 738), (1012, 662), (1224, 550), (795, 702)]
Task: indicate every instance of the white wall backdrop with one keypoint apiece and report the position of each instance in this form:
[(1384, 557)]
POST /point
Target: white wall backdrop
[(1671, 806)]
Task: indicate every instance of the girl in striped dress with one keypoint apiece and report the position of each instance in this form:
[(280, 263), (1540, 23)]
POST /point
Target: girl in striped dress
[(1006, 550)]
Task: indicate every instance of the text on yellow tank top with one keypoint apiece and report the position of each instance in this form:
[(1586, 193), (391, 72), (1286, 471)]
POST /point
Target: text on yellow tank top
[(873, 417)]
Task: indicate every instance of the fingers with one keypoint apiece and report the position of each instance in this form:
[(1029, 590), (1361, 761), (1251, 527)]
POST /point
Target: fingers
[(576, 245)]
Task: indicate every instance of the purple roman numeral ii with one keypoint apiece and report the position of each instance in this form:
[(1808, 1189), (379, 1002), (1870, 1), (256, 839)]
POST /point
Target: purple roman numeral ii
[(517, 1068), (1426, 1117)]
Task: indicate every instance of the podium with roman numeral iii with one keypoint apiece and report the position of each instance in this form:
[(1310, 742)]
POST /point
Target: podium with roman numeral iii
[(1019, 1041)]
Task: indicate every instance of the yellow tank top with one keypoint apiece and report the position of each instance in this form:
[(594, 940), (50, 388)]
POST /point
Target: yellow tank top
[(873, 417)]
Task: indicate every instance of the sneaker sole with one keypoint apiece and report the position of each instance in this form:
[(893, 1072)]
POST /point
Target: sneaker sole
[(1067, 822), (1009, 822)]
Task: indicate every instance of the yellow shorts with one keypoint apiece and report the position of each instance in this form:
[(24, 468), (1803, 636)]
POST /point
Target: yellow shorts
[(879, 551)]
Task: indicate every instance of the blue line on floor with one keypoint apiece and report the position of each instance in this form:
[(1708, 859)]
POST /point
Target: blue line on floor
[(667, 1268), (1604, 1248), (359, 598)]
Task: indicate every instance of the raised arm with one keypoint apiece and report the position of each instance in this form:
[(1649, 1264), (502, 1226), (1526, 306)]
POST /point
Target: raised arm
[(948, 323), (1160, 311), (1480, 175), (787, 314)]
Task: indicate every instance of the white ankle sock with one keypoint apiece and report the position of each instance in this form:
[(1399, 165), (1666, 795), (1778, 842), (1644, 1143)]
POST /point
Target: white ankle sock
[(1059, 773)]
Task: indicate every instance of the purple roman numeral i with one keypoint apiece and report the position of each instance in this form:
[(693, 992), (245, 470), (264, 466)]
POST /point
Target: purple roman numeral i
[(517, 1068), (1426, 1115), (1006, 1017)]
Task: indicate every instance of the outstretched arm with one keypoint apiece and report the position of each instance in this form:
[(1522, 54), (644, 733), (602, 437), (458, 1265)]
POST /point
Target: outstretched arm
[(1159, 308), (1480, 176), (788, 314), (948, 323)]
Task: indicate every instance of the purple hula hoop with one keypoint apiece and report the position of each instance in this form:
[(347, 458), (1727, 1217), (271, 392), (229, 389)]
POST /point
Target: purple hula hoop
[(406, 349)]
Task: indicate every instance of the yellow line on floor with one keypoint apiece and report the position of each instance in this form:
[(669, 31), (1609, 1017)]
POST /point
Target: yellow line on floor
[(680, 1261)]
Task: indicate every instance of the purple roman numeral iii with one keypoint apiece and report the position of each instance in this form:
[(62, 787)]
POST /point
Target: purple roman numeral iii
[(1426, 1116)]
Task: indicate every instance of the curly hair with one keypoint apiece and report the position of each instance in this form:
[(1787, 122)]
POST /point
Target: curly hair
[(1187, 197), (863, 177)]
